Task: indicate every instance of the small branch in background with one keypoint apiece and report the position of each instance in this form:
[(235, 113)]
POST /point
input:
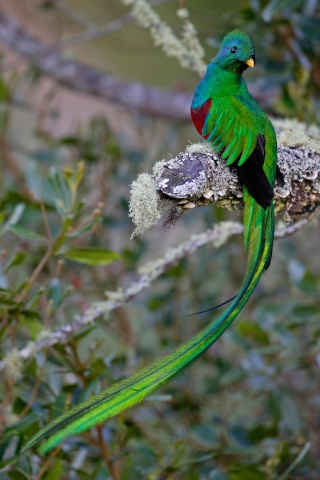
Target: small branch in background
[(154, 101), (47, 463), (190, 37), (217, 236), (105, 454), (93, 32), (170, 104), (72, 14), (199, 177), (187, 50), (296, 462)]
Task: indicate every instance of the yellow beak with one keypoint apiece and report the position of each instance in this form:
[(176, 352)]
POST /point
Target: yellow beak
[(250, 62)]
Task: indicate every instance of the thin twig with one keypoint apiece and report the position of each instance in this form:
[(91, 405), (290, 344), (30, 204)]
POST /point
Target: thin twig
[(45, 220), (94, 32), (105, 454), (78, 77), (33, 393), (293, 465), (74, 16), (117, 299), (153, 270), (47, 462), (44, 260)]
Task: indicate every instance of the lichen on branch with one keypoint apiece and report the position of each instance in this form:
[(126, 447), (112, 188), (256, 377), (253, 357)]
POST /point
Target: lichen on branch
[(187, 49), (198, 177)]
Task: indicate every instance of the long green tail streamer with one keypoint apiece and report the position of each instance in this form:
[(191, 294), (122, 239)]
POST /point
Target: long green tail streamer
[(130, 391)]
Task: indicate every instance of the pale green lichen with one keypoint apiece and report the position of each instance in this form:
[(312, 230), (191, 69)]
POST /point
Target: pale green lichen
[(150, 267), (145, 203), (292, 133), (154, 268), (31, 349), (211, 181), (13, 366), (136, 288), (164, 37), (115, 295), (183, 13), (200, 147), (96, 310), (220, 235), (191, 40), (157, 168), (44, 334), (224, 230)]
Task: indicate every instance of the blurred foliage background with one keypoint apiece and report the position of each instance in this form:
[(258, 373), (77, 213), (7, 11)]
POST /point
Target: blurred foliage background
[(250, 408)]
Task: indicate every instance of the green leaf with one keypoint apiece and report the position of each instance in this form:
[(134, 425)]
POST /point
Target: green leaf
[(28, 424), (91, 256), (247, 473), (290, 418), (16, 260), (14, 217), (3, 215), (31, 321), (60, 191), (55, 293), (7, 297), (275, 6), (305, 312), (17, 474), (254, 331), (26, 233), (4, 91), (311, 28), (79, 232), (205, 434), (55, 470)]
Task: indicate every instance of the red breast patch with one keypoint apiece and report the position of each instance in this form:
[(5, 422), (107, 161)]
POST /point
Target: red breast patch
[(198, 115)]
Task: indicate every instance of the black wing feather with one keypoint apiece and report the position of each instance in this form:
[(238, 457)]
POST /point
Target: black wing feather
[(252, 175)]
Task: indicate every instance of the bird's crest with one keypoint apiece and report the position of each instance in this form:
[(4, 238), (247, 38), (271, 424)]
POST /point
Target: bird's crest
[(238, 37)]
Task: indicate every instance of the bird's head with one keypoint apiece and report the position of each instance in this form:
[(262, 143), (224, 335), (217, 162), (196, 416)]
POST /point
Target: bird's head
[(237, 52)]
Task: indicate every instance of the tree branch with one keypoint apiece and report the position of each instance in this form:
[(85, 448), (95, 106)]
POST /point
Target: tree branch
[(199, 177), (92, 31), (150, 272), (168, 104)]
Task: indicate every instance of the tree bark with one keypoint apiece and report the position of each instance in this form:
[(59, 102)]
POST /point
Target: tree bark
[(199, 177)]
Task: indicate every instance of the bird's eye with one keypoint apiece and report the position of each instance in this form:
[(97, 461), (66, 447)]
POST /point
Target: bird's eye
[(233, 49)]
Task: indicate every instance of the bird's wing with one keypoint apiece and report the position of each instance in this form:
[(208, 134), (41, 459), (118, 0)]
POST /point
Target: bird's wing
[(234, 126)]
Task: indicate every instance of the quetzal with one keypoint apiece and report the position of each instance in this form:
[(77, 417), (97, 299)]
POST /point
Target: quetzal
[(227, 116)]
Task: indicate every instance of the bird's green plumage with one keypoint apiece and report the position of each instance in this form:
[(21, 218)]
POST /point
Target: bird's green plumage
[(223, 112)]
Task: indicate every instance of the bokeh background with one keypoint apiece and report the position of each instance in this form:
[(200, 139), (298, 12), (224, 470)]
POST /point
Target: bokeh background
[(250, 407)]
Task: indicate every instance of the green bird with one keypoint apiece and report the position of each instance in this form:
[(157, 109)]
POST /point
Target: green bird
[(227, 116)]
